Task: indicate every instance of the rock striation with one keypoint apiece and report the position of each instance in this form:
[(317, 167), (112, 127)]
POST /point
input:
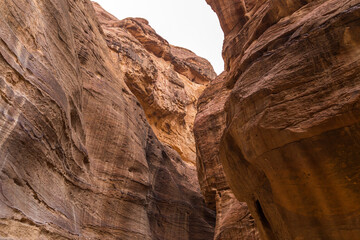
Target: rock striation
[(167, 80), (233, 219), (78, 159), (290, 143)]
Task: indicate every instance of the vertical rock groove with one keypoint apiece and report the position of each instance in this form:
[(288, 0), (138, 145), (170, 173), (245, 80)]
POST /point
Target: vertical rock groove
[(233, 220)]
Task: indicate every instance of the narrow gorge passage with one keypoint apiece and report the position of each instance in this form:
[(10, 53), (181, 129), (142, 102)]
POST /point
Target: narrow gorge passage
[(107, 131), (168, 82)]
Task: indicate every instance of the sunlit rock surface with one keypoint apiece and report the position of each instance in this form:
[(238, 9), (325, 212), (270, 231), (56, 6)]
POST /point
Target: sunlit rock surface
[(78, 159), (290, 147), (166, 79)]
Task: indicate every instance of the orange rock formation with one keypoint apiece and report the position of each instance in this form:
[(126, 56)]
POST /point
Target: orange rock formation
[(167, 80), (78, 159)]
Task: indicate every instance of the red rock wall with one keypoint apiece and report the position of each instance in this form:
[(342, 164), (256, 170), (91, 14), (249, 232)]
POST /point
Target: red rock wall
[(233, 219), (291, 142), (78, 159)]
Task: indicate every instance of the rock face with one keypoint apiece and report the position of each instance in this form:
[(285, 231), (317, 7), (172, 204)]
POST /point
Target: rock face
[(78, 159), (233, 219), (291, 141), (166, 79)]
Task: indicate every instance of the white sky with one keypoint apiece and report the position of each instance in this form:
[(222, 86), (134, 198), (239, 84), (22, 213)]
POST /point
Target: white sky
[(187, 23)]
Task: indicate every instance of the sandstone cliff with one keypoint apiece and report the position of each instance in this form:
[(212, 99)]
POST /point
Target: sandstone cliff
[(233, 219), (78, 159), (290, 143), (167, 80)]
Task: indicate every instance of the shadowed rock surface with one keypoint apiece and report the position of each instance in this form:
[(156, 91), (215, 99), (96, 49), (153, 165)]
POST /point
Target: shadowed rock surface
[(290, 147), (233, 219), (78, 159)]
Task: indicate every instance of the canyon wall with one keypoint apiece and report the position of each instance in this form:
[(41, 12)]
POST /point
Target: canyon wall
[(167, 80), (290, 143), (233, 219), (78, 158)]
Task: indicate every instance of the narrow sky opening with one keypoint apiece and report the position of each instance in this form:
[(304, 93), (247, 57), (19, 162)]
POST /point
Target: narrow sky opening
[(188, 23)]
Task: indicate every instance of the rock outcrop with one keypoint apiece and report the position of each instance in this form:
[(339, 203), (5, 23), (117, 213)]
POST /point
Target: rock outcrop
[(233, 219), (78, 159), (167, 80), (291, 141)]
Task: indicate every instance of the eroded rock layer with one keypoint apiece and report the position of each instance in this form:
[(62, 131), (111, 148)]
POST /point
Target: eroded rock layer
[(233, 219), (166, 79), (291, 142), (78, 159)]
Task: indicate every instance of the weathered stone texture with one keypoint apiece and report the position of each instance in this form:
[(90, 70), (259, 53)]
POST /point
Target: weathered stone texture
[(290, 146), (166, 79), (233, 219), (78, 159)]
